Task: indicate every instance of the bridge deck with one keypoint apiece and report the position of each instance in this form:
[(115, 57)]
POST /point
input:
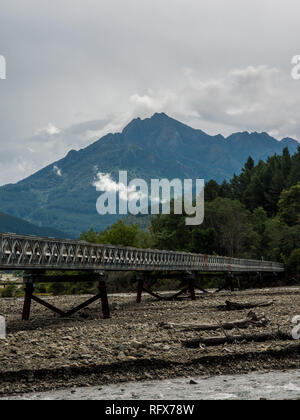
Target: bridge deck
[(18, 252)]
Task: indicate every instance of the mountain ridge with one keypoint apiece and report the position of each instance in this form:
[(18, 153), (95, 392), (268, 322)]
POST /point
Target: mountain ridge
[(11, 224), (62, 194)]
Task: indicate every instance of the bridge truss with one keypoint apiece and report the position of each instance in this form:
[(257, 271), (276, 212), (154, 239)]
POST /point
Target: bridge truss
[(30, 253)]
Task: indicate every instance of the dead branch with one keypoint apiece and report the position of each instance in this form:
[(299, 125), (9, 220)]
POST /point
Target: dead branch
[(252, 319), (257, 338), (235, 306)]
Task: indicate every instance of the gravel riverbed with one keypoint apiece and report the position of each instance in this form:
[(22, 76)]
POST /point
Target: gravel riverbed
[(50, 353)]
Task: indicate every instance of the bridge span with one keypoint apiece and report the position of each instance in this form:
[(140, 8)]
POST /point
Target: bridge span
[(35, 255)]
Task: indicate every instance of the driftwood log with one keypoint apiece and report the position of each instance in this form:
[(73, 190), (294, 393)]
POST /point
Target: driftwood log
[(235, 306), (230, 339), (251, 319)]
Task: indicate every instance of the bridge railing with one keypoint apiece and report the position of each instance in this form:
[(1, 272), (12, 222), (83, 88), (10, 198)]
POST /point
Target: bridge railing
[(30, 252)]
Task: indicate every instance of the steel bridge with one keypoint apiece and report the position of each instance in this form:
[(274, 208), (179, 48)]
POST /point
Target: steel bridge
[(35, 255)]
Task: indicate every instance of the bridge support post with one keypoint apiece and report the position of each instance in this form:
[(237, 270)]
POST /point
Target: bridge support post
[(103, 296), (233, 284), (277, 279), (261, 280), (191, 285), (231, 280), (229, 283), (141, 279), (248, 281), (27, 301)]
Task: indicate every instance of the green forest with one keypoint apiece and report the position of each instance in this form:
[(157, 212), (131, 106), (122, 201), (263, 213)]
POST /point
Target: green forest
[(254, 215)]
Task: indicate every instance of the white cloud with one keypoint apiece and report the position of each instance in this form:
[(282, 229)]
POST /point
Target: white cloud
[(57, 170), (255, 98), (49, 130), (143, 105), (105, 183)]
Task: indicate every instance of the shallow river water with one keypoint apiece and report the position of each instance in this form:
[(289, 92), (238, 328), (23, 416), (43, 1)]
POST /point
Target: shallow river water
[(254, 386)]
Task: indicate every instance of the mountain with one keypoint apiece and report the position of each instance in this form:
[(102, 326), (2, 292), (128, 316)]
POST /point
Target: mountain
[(62, 194), (13, 224)]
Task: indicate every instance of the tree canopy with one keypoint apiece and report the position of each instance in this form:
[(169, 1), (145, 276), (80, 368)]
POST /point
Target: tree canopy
[(119, 234)]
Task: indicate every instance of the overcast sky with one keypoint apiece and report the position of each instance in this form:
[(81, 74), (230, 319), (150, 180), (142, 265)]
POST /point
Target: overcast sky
[(77, 69)]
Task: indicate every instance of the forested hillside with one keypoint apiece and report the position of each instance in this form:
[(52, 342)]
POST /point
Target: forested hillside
[(15, 225), (255, 215)]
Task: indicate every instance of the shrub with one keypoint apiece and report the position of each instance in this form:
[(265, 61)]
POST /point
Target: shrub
[(8, 291), (58, 289)]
